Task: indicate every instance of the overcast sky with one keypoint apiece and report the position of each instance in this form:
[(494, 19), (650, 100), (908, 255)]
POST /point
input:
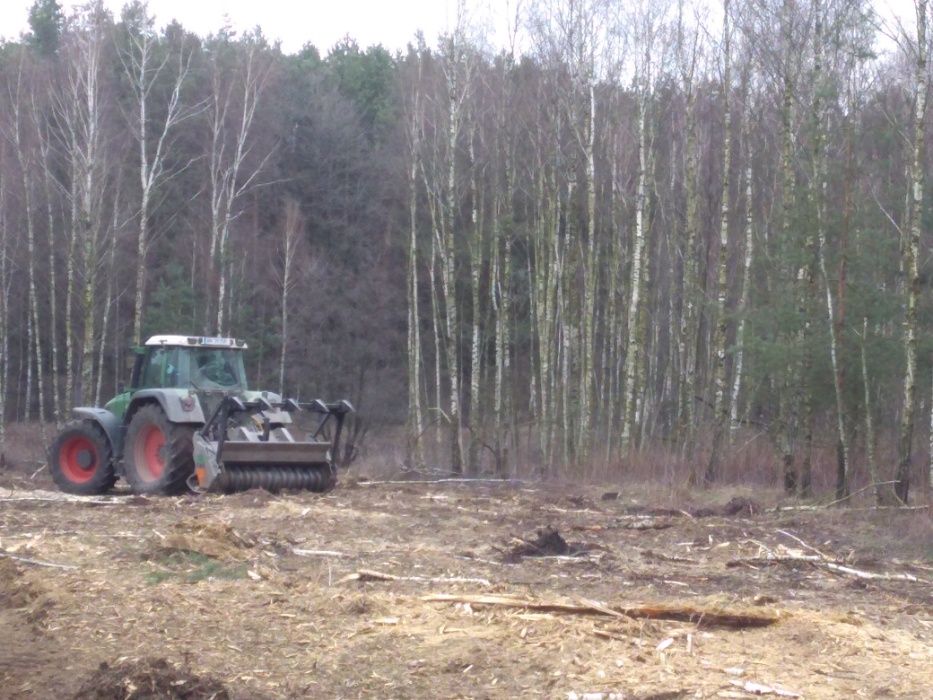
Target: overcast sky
[(392, 23)]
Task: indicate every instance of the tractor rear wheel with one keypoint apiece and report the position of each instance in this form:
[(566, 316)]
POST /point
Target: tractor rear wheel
[(157, 454), (81, 461)]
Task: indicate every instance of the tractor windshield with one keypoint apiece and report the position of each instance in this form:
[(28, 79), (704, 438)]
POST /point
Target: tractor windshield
[(211, 368)]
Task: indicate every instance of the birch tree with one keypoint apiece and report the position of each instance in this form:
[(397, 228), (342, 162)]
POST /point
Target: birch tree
[(748, 261), (80, 114), (5, 284), (415, 419), (144, 70), (647, 24), (292, 234), (911, 255), (721, 410), (239, 73), (26, 159)]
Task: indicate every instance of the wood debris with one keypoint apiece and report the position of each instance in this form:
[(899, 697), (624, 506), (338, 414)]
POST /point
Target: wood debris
[(36, 562), (318, 553), (367, 575), (761, 689), (786, 555), (701, 616)]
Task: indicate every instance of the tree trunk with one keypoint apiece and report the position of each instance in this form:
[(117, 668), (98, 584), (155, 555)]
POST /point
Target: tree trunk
[(415, 457), (746, 269), (911, 260), (634, 340), (870, 440), (721, 409), (476, 358)]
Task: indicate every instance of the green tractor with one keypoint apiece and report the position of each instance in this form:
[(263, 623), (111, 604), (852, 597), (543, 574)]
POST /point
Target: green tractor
[(188, 421)]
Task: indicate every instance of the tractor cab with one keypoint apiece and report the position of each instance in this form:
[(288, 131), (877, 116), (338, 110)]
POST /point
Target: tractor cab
[(202, 364), (177, 362)]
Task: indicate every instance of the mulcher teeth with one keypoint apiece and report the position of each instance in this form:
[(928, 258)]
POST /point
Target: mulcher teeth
[(274, 478)]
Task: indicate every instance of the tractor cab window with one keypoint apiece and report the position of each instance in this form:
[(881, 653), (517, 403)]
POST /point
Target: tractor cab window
[(160, 369), (212, 368)]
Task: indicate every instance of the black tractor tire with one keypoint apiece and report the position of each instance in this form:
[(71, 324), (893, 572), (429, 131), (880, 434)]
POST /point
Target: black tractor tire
[(81, 461), (158, 456)]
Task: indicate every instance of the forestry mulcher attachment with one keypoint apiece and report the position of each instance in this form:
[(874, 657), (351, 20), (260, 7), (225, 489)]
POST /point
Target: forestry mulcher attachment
[(188, 421)]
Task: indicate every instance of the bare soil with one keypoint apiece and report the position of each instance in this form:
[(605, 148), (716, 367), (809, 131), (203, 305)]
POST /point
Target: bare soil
[(302, 595)]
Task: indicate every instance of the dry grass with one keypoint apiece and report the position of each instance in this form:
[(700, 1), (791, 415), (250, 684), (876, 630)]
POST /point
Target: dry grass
[(252, 590)]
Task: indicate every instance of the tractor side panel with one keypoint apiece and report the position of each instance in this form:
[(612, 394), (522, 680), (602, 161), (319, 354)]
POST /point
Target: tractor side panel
[(108, 422), (178, 405)]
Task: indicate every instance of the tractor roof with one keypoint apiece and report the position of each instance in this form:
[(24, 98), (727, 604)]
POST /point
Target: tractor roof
[(196, 341)]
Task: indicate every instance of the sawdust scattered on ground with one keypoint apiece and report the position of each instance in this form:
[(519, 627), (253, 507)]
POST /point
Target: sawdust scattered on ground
[(252, 595)]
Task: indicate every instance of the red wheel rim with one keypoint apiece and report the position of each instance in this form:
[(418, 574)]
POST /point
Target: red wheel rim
[(149, 458), (77, 458)]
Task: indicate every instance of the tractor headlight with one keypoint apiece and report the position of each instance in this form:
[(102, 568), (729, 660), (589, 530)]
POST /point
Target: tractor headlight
[(187, 403)]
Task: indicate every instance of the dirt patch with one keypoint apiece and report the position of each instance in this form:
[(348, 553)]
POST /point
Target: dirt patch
[(149, 679)]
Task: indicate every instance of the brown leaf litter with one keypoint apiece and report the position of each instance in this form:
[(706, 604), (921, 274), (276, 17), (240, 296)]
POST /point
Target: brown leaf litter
[(149, 679)]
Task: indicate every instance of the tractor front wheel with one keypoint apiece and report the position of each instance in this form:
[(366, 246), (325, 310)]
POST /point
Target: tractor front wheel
[(158, 454), (80, 460)]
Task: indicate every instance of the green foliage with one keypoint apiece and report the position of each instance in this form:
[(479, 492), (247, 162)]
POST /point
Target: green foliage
[(366, 78), (192, 567), (171, 306), (45, 22)]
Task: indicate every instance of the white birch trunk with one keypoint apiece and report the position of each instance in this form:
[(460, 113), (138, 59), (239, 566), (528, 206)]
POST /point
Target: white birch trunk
[(291, 236), (230, 178), (4, 313), (476, 264), (633, 340), (870, 440), (26, 168), (587, 364), (108, 300), (415, 420), (746, 272), (45, 153), (721, 409), (911, 259)]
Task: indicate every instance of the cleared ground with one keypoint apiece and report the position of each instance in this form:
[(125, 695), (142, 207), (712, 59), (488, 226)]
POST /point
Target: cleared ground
[(276, 596)]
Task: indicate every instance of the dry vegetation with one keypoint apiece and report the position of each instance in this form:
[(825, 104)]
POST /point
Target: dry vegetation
[(435, 589)]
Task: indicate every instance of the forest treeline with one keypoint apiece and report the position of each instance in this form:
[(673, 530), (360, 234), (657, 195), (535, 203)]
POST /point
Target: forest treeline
[(643, 232)]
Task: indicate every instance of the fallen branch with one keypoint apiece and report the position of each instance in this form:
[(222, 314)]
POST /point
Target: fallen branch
[(820, 561), (441, 481), (782, 509), (36, 562), (56, 497), (364, 575), (705, 617), (856, 493), (647, 524), (761, 689), (318, 553)]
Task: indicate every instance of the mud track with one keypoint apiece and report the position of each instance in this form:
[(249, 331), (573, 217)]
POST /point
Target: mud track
[(326, 596)]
